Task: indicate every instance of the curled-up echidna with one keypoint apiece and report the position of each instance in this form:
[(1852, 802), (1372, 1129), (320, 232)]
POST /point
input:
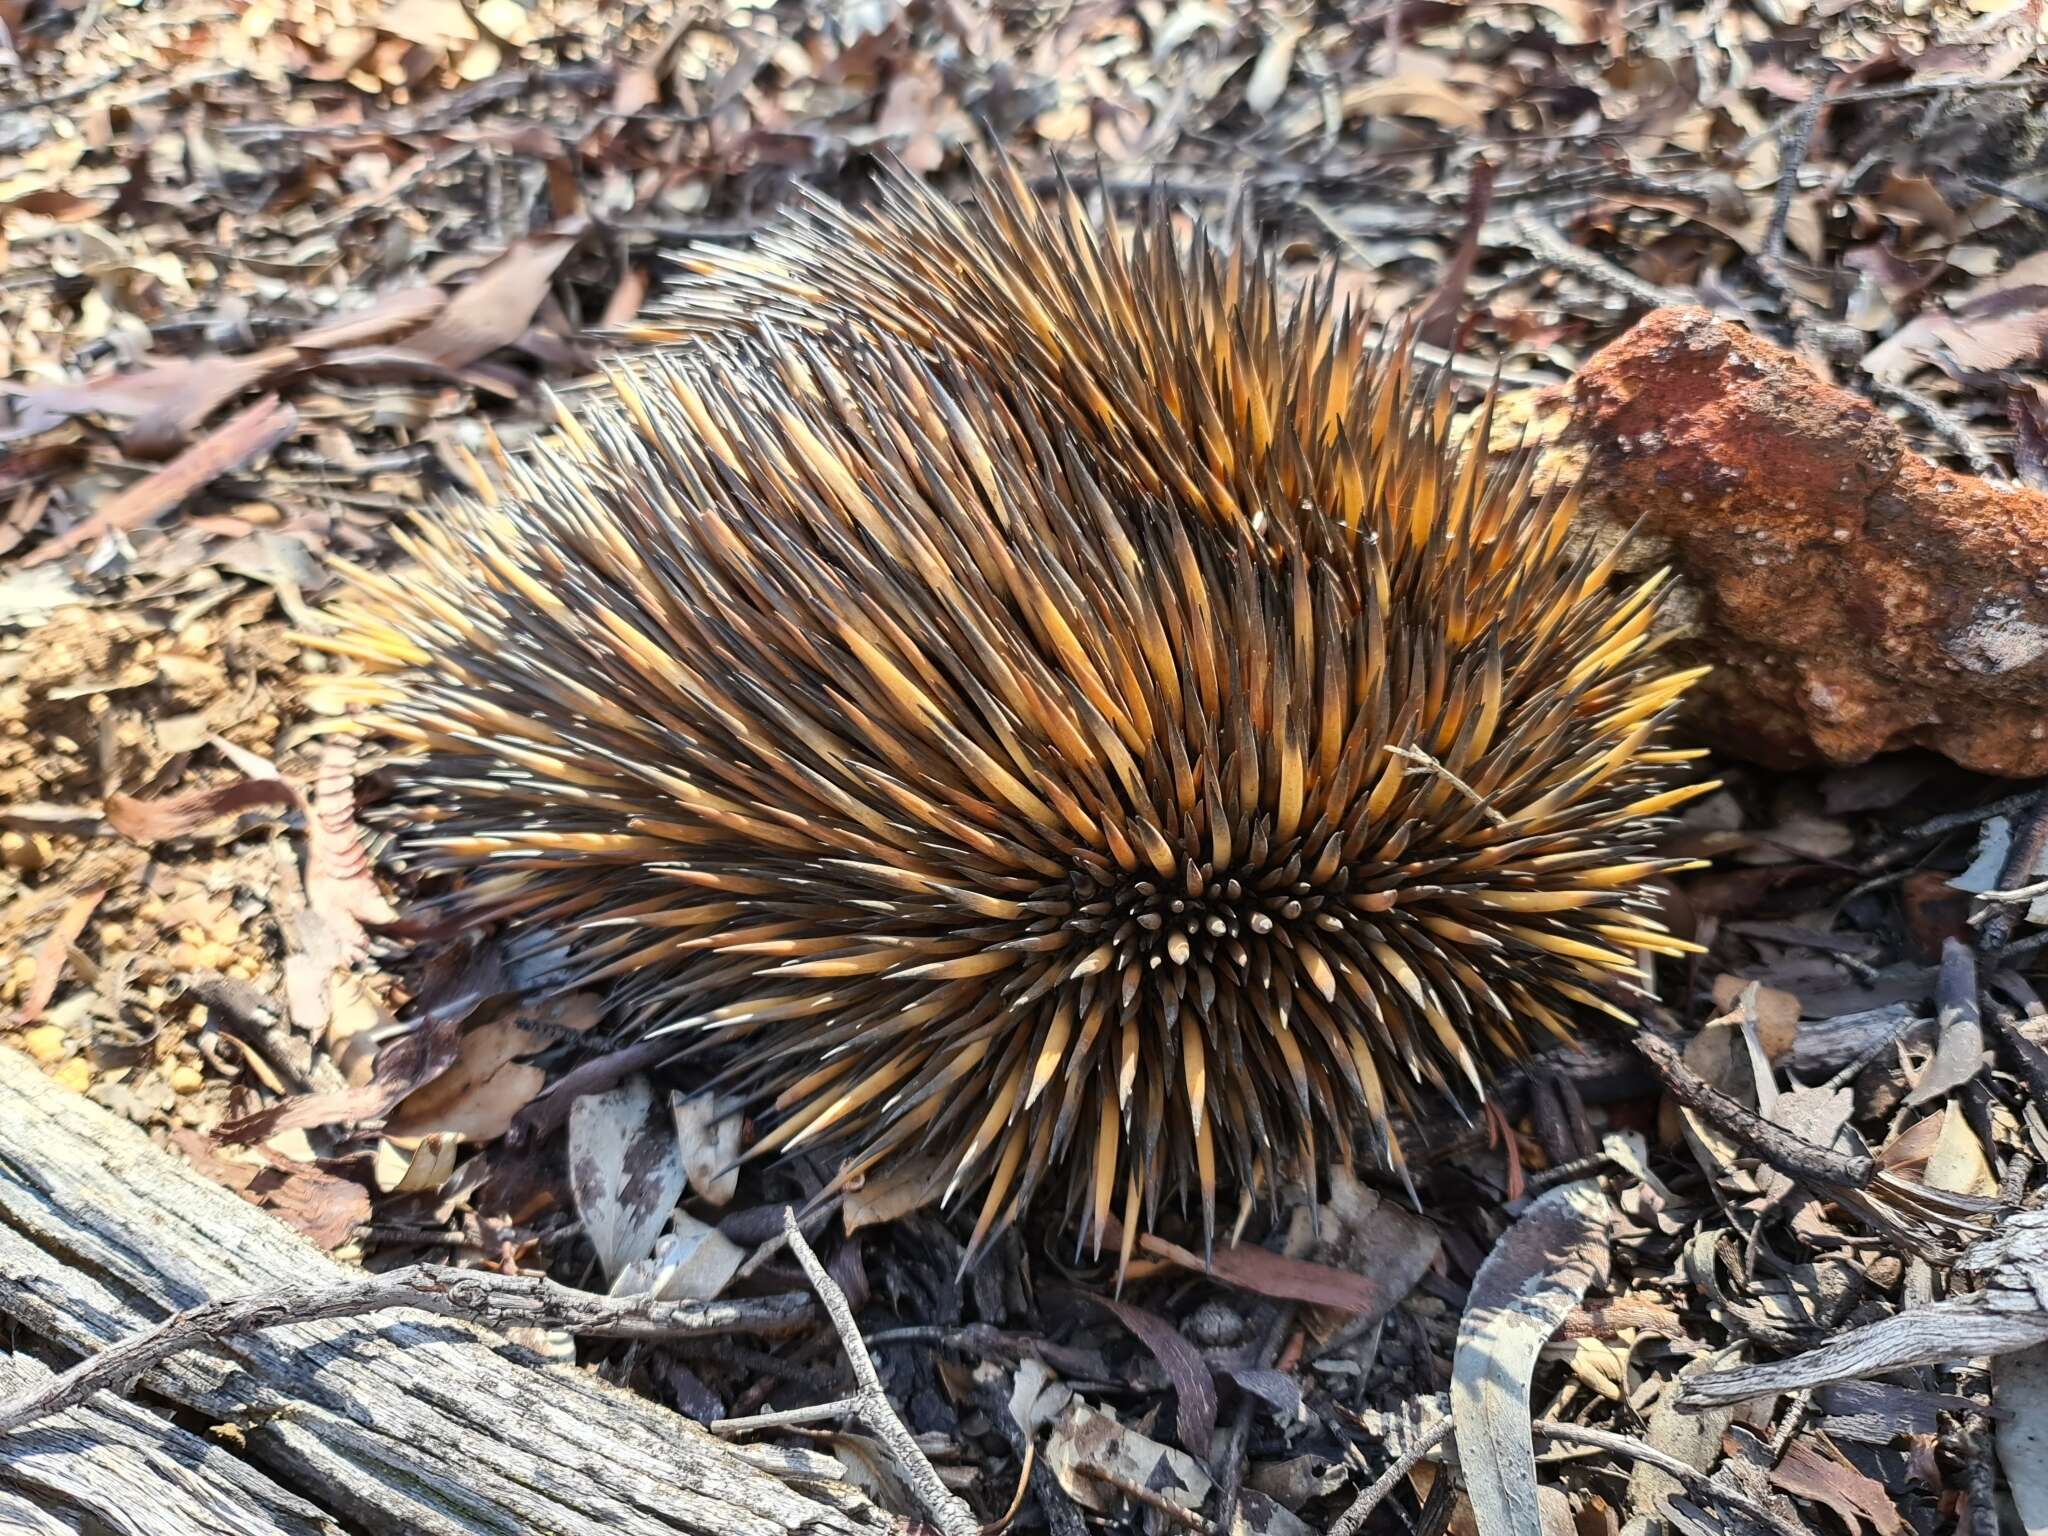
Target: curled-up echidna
[(1041, 704)]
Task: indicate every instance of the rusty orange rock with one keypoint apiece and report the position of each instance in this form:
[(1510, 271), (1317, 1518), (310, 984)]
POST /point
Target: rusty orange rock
[(1852, 596)]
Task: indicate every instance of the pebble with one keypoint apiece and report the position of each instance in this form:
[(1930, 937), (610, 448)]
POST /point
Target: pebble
[(75, 1074), (186, 1079), (45, 1042)]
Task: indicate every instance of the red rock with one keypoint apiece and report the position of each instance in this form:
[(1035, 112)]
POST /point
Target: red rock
[(1852, 596)]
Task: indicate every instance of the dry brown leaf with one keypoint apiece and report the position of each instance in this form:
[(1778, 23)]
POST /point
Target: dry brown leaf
[(1359, 1231), (708, 1127), (624, 1172), (339, 883), (1275, 63), (1082, 1439), (325, 1208), (1274, 1274), (493, 311), (1413, 95), (1999, 324), (2019, 1391), (400, 1170), (246, 436), (1537, 1273), (483, 1088), (1777, 1012), (433, 24), (1437, 324), (404, 310), (401, 1065), (1194, 1392), (167, 400), (154, 821), (1805, 1473), (626, 299), (55, 949), (892, 1192), (692, 1261)]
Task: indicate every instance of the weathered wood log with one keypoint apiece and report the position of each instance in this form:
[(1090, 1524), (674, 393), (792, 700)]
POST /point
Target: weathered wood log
[(398, 1423), (121, 1466)]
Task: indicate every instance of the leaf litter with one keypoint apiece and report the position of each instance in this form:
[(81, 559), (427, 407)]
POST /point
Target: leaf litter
[(279, 275)]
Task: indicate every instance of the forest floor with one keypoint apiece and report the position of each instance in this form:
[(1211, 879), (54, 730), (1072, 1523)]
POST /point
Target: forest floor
[(276, 271)]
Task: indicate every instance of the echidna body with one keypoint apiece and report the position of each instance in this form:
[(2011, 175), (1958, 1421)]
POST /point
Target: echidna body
[(1052, 711)]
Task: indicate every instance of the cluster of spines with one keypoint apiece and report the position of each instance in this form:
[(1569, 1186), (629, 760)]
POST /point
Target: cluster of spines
[(1038, 706)]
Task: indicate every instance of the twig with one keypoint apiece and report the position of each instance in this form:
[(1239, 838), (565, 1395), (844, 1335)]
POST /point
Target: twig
[(1431, 765), (2022, 859), (1940, 826), (817, 1216), (1549, 242), (1179, 1514), (1945, 425), (1938, 87), (477, 1296), (1352, 1521), (1790, 1155), (1684, 1471), (1232, 1484), (837, 1408), (871, 1403), (1793, 148)]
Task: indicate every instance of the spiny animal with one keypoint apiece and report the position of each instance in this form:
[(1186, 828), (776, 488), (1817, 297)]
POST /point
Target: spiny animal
[(1047, 710)]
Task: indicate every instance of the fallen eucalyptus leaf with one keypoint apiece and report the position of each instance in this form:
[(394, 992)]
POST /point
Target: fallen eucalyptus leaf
[(624, 1172), (1540, 1269)]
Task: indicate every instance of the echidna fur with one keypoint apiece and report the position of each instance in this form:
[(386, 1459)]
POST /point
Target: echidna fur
[(1052, 713)]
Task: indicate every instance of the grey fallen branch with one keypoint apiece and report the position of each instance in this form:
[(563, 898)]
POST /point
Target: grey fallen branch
[(1789, 1154), (477, 1296), (2009, 1314), (870, 1404)]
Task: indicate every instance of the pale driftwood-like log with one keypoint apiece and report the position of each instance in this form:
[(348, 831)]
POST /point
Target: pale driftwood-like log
[(397, 1423), (115, 1466)]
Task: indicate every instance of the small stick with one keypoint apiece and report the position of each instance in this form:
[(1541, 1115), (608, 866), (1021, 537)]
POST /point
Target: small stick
[(1352, 1521), (1180, 1515), (1793, 148), (2022, 858), (478, 1296), (1431, 765), (1790, 1155), (1549, 242), (1940, 826), (871, 1404), (1684, 1471), (837, 1408), (1241, 1423), (1944, 424)]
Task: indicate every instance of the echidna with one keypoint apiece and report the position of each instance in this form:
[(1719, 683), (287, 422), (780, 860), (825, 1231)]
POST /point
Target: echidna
[(1049, 704)]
